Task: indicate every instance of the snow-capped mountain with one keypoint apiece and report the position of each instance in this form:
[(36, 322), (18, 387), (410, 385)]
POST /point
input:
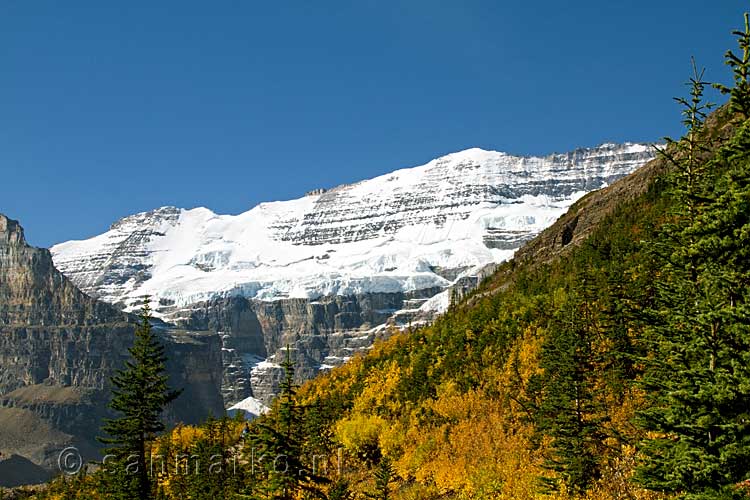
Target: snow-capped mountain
[(398, 232), (336, 261)]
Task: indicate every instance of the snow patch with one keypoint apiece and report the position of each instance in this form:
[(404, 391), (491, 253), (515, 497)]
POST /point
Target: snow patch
[(250, 406)]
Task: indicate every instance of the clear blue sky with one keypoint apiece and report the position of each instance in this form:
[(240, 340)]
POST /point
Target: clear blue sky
[(110, 108)]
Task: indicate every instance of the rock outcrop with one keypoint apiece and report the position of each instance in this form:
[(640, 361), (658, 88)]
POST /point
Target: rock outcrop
[(321, 334)]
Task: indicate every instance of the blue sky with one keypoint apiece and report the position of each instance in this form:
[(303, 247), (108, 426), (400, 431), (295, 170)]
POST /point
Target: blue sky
[(110, 108)]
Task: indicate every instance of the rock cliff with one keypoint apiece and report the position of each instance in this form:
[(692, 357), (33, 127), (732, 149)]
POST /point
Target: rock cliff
[(58, 348)]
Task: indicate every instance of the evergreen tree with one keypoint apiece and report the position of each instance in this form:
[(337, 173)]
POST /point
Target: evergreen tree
[(340, 491), (319, 440), (279, 442), (619, 319), (568, 407), (699, 379), (740, 93), (686, 156), (385, 476), (217, 474), (698, 376), (139, 396)]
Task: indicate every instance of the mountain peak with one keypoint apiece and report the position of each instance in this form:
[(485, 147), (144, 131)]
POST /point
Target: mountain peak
[(473, 155), (11, 232), (150, 217)]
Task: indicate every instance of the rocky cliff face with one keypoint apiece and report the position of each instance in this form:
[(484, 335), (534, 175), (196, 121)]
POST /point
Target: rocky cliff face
[(324, 274), (321, 334), (58, 348), (46, 321)]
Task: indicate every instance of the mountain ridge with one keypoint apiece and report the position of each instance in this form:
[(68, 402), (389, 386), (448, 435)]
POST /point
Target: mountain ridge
[(428, 198)]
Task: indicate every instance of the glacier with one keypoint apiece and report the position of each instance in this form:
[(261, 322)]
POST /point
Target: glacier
[(395, 232)]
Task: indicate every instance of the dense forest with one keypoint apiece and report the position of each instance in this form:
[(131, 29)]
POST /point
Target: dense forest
[(620, 368)]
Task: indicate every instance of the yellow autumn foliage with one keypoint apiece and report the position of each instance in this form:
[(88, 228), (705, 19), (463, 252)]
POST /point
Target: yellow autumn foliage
[(360, 434)]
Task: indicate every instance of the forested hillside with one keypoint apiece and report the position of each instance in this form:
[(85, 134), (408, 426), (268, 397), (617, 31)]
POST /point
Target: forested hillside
[(613, 365)]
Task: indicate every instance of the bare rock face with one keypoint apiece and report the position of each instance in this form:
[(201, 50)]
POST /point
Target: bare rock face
[(32, 292), (58, 350), (46, 321), (319, 334)]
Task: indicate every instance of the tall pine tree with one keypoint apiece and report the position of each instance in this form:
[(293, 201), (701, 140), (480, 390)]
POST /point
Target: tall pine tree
[(568, 406), (385, 476), (740, 64), (698, 375), (279, 447), (139, 396)]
